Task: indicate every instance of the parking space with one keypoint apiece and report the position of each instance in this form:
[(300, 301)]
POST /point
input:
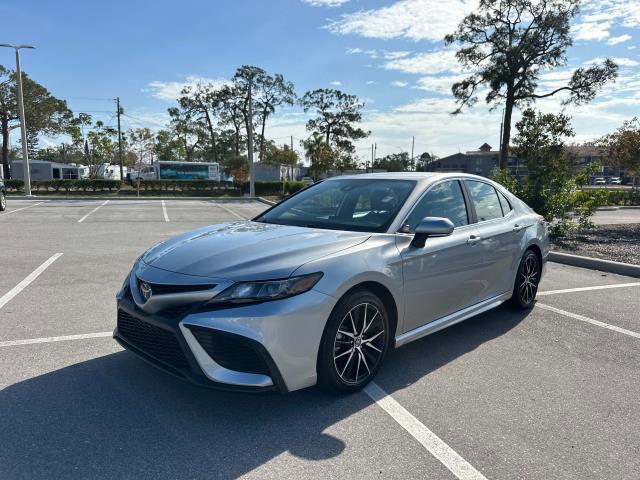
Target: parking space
[(533, 395)]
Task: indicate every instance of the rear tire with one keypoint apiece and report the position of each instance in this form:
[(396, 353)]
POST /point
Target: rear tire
[(354, 343), (527, 279), (3, 202)]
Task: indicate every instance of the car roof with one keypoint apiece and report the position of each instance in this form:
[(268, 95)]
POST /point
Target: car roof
[(406, 176)]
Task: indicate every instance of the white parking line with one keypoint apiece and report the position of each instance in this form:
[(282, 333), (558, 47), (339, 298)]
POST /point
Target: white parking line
[(18, 209), (588, 320), (228, 210), (93, 211), (429, 440), (586, 289), (164, 212), (25, 283), (31, 341)]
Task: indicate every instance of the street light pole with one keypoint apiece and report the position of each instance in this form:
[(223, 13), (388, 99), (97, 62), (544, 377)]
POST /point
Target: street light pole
[(23, 127)]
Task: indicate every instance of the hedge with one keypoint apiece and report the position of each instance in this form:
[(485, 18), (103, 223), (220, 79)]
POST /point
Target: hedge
[(84, 185), (612, 197), (274, 187), (167, 185)]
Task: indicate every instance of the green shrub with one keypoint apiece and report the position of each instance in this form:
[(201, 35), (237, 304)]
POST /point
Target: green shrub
[(14, 185), (274, 187)]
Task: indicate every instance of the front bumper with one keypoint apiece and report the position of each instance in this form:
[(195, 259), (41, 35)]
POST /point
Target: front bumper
[(275, 343)]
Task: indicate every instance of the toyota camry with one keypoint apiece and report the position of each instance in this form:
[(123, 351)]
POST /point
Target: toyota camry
[(319, 287)]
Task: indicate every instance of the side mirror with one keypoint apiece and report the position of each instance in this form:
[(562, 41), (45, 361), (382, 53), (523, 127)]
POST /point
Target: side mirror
[(431, 227)]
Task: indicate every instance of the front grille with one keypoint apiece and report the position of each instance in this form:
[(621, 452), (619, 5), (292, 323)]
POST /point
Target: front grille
[(154, 341), (163, 289), (230, 351), (176, 311)]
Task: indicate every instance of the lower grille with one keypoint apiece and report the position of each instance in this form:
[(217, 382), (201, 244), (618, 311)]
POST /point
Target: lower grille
[(230, 351), (155, 341)]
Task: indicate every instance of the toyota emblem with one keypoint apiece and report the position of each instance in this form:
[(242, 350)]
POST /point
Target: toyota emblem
[(146, 291)]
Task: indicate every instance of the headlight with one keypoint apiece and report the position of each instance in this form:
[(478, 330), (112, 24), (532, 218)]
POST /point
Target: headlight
[(252, 292)]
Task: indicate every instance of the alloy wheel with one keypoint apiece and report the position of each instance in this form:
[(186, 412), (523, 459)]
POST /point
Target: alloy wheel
[(529, 278), (359, 343)]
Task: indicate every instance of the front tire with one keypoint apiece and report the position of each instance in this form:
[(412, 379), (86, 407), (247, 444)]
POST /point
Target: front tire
[(527, 280), (3, 202), (354, 343)]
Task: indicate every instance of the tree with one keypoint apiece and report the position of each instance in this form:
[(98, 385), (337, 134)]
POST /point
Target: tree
[(168, 147), (281, 156), (271, 92), (552, 187), (622, 147), (508, 44), (100, 147), (189, 133), (337, 113), (44, 113), (231, 112), (319, 153), (141, 143), (202, 103), (395, 162), (423, 162)]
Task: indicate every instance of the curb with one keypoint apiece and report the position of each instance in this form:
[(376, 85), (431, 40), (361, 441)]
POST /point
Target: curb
[(264, 200), (619, 207), (610, 266), (133, 197)]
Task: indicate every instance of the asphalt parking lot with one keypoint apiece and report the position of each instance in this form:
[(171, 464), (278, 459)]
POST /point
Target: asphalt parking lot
[(551, 393)]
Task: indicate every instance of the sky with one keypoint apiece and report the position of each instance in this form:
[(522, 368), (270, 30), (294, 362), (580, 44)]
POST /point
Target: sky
[(388, 52)]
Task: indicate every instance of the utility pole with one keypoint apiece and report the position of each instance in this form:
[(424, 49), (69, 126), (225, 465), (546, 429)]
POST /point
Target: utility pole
[(119, 139), (291, 169), (372, 159), (501, 127), (252, 184), (413, 143), (375, 154), (23, 126)]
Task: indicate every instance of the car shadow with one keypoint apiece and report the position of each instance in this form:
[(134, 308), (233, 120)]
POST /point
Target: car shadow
[(116, 417)]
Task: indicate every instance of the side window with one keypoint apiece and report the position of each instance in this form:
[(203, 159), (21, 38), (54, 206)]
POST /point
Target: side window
[(485, 199), (506, 206), (443, 200)]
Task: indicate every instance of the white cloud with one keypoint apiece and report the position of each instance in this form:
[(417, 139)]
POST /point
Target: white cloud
[(398, 83), (622, 61), (428, 63), (631, 47), (438, 84), (171, 90), (336, 83), (619, 39), (374, 54), (325, 3), (592, 30), (412, 19), (371, 82), (624, 12)]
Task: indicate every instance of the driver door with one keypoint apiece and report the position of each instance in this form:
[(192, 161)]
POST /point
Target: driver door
[(446, 274)]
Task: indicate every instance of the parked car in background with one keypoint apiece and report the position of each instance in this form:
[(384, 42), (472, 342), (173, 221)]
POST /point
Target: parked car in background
[(616, 181), (320, 286), (3, 196), (307, 180), (599, 181)]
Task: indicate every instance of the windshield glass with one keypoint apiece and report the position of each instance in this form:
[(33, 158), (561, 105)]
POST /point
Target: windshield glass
[(362, 205)]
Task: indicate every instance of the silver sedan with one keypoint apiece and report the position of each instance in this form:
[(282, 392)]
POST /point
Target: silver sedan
[(319, 287)]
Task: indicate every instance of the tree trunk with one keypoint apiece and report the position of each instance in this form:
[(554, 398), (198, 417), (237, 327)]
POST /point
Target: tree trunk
[(5, 144), (506, 130), (213, 135), (264, 122)]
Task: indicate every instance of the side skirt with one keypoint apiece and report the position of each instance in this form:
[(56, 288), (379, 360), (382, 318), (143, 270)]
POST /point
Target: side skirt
[(451, 319)]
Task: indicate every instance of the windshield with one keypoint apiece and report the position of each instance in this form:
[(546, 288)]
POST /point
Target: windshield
[(362, 205)]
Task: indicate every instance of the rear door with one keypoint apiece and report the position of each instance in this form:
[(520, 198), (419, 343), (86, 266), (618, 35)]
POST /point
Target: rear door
[(500, 236), (443, 276)]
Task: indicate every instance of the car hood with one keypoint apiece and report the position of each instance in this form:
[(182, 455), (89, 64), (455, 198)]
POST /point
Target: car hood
[(248, 250)]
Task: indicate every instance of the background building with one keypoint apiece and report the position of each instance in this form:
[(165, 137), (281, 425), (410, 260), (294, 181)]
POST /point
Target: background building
[(44, 170)]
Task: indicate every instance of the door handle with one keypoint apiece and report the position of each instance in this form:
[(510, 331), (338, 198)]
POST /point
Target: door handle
[(473, 239), (517, 227)]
